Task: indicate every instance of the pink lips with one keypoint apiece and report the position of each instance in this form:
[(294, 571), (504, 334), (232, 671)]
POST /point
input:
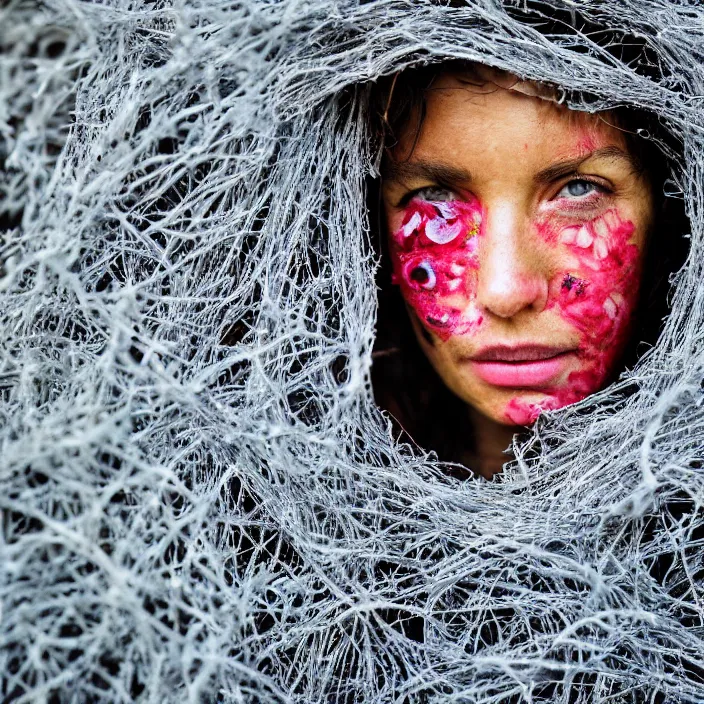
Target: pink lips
[(529, 366)]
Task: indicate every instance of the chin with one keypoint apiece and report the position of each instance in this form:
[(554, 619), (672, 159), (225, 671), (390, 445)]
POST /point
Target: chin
[(525, 409)]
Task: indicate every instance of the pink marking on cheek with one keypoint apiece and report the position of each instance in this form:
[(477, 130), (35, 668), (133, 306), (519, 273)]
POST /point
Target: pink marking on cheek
[(584, 238), (607, 287), (570, 283), (548, 231), (569, 234), (519, 412), (597, 299), (434, 255)]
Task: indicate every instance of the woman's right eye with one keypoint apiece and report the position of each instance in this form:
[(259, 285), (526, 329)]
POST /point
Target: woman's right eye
[(435, 194)]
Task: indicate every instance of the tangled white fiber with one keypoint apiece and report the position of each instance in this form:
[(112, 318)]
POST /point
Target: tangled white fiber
[(200, 500)]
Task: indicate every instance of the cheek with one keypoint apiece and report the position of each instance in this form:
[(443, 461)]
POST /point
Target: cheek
[(434, 256), (597, 297)]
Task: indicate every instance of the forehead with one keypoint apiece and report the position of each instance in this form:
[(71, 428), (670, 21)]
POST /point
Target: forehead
[(466, 119)]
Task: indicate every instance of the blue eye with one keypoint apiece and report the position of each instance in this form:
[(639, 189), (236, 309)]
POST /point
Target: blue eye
[(435, 194), (578, 189)]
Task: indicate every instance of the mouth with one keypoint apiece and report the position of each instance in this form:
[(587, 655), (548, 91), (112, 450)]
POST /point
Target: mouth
[(525, 366)]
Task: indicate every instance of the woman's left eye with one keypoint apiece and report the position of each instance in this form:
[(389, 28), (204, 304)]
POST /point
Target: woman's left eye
[(435, 194), (578, 189)]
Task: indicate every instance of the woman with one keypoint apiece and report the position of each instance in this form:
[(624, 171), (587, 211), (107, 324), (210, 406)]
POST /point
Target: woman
[(201, 500), (517, 235)]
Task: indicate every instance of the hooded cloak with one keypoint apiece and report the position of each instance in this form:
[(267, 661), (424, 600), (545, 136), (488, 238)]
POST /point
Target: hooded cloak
[(201, 501)]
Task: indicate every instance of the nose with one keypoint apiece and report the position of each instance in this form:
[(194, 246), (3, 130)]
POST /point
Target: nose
[(511, 275)]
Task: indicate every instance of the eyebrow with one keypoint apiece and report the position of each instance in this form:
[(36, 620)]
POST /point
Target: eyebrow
[(438, 172), (425, 170), (571, 166)]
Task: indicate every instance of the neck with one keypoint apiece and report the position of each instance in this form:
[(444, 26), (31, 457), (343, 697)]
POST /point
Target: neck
[(491, 440)]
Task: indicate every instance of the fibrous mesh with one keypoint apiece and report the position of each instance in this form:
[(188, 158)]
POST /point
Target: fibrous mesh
[(200, 500)]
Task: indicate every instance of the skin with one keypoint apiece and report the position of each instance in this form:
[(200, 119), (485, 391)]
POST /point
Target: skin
[(513, 221)]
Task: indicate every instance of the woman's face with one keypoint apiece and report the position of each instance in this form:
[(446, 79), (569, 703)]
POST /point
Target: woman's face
[(517, 230)]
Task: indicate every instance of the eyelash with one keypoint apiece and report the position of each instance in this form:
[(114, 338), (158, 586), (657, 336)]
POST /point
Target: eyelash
[(415, 193), (599, 188)]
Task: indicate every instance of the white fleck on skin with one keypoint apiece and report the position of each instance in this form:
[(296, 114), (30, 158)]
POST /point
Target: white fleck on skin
[(610, 308), (610, 220), (584, 238), (445, 209), (600, 228), (409, 228), (440, 232), (569, 235), (471, 314), (601, 249)]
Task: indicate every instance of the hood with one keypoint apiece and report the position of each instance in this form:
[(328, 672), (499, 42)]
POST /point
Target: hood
[(201, 500)]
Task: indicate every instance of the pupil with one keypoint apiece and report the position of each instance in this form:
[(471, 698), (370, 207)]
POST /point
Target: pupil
[(420, 275), (578, 188)]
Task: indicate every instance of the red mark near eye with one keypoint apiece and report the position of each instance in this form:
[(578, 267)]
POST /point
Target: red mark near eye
[(434, 258), (597, 298), (586, 144)]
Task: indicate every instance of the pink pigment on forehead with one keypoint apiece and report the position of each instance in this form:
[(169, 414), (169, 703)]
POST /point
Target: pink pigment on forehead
[(597, 298), (434, 255), (586, 143)]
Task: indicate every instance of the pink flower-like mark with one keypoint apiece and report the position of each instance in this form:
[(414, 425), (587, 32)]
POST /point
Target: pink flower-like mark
[(434, 255), (597, 298), (435, 263)]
